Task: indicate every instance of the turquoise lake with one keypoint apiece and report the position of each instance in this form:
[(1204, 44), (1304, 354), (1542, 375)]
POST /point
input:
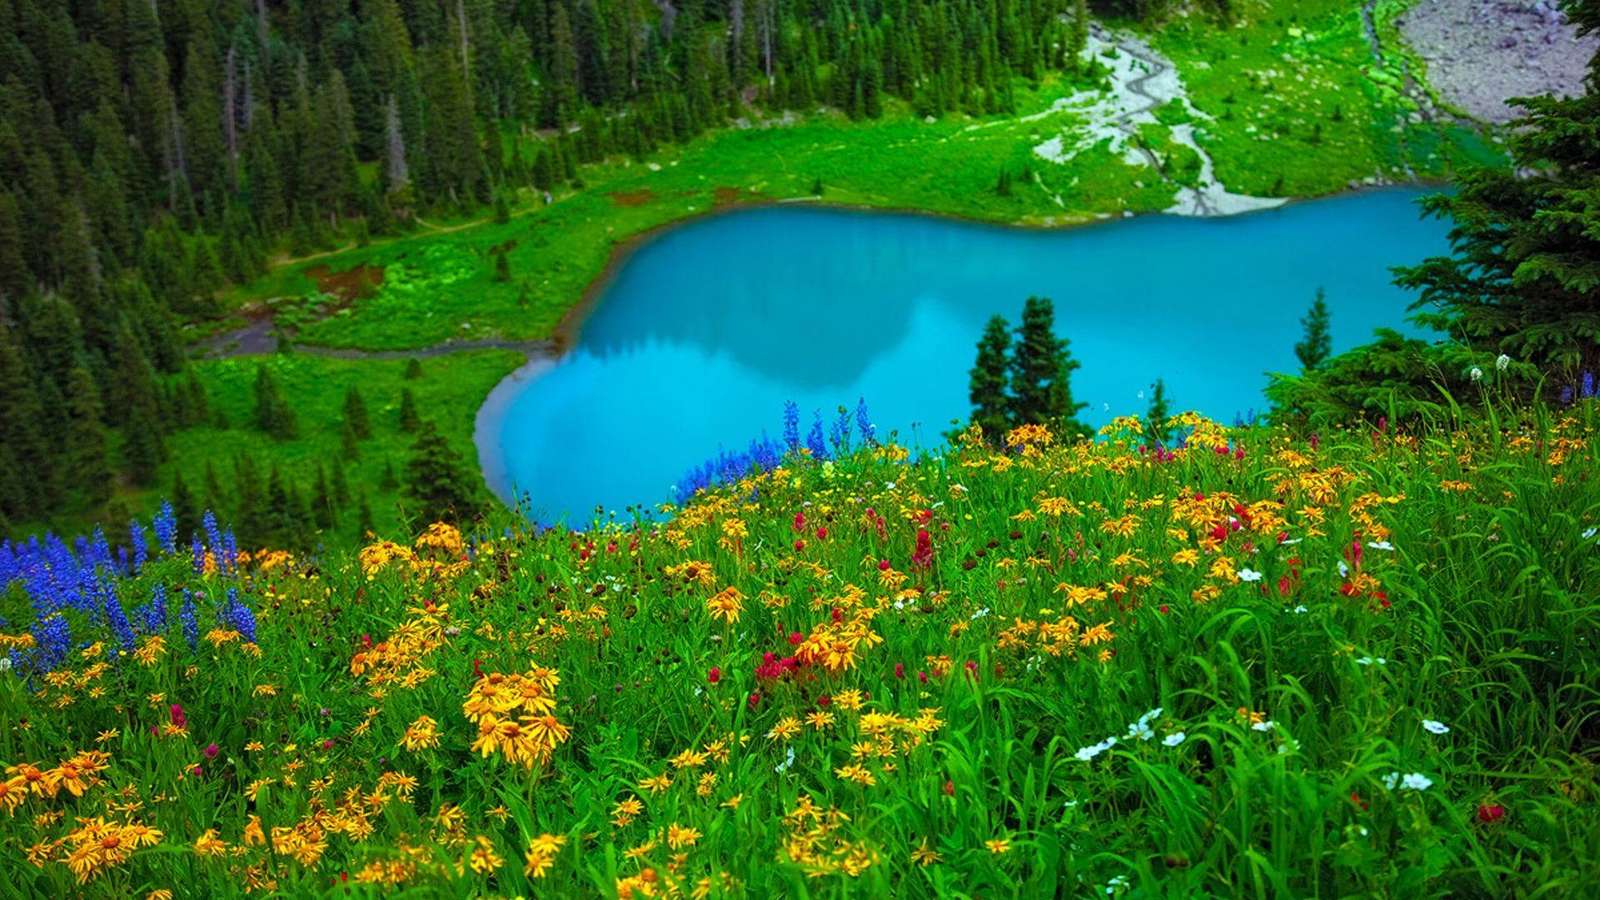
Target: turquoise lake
[(700, 336)]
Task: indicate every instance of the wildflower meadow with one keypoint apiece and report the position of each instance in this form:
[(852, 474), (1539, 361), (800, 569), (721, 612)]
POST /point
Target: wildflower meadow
[(1257, 663)]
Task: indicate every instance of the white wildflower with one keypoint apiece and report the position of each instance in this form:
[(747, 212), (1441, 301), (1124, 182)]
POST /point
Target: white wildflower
[(1435, 727), (1502, 361), (1416, 781), (1249, 575), (1264, 726), (1380, 545), (1475, 373), (1174, 739)]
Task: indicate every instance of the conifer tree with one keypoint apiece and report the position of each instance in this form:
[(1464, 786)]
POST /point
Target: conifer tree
[(1041, 372), (323, 511), (349, 444), (272, 413), (987, 380), (1316, 345), (86, 444), (408, 411), (355, 413), (1157, 429), (437, 479), (185, 507)]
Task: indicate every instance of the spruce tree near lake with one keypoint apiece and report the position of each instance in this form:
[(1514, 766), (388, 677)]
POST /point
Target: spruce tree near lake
[(1041, 373), (987, 382), (1157, 430), (1525, 270), (1317, 345), (438, 481)]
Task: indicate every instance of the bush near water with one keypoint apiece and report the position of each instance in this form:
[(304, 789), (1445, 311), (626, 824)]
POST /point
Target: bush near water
[(1258, 664)]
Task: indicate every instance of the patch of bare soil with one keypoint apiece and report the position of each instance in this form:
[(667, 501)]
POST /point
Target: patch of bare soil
[(633, 198), (349, 286), (1481, 53)]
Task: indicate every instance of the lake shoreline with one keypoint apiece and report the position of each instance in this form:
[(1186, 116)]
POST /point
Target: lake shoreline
[(491, 419)]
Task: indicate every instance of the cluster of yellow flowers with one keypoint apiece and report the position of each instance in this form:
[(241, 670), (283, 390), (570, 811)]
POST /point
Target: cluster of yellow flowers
[(399, 658), (814, 841), (97, 845), (75, 775), (493, 703)]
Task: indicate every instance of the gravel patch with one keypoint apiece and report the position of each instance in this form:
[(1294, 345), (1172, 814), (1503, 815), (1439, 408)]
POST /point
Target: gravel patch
[(1481, 54)]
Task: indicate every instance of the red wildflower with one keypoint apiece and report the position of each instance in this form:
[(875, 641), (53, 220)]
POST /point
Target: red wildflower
[(923, 557), (715, 675), (1489, 813)]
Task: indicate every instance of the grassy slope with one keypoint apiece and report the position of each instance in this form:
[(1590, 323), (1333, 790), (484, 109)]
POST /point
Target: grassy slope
[(448, 392), (1475, 539)]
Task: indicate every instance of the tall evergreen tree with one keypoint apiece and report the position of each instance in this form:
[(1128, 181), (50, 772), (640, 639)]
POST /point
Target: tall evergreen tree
[(273, 414), (355, 413), (1157, 430), (86, 448), (1317, 344), (987, 380), (438, 481), (408, 411), (1525, 268), (1041, 372)]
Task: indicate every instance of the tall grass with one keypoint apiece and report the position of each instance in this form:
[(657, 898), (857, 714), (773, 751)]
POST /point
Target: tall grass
[(1296, 609)]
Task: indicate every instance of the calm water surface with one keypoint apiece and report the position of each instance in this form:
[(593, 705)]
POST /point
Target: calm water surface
[(706, 330)]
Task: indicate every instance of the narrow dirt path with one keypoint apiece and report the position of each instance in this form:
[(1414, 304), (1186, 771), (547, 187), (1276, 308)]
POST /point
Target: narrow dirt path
[(259, 338)]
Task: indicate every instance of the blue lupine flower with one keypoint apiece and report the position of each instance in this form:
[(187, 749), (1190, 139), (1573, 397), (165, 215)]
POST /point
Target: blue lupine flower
[(121, 628), (238, 616), (814, 443), (165, 525), (839, 434), (230, 550), (199, 555), (213, 533), (791, 425), (136, 541), (155, 612), (191, 628), (869, 432), (1588, 390), (1566, 395), (52, 641)]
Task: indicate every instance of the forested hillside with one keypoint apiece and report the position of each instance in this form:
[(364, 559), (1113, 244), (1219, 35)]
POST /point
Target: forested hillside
[(151, 152)]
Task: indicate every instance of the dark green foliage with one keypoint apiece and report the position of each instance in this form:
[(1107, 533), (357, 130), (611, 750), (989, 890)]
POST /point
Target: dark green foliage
[(413, 369), (1394, 377), (86, 450), (1317, 344), (1041, 372), (185, 507), (1524, 276), (1157, 430), (355, 414), (349, 444), (988, 378), (816, 187), (408, 411), (1002, 187), (502, 267), (272, 412), (438, 481)]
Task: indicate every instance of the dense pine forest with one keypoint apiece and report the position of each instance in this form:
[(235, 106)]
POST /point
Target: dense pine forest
[(153, 152)]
